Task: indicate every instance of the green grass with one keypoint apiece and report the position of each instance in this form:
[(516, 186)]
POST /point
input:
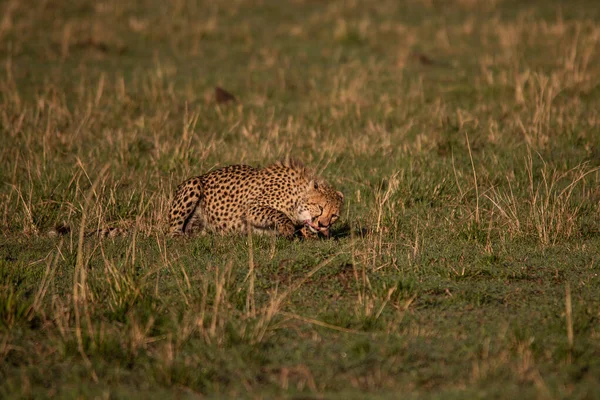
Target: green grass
[(464, 134)]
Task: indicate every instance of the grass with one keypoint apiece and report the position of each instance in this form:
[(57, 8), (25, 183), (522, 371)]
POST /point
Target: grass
[(464, 134)]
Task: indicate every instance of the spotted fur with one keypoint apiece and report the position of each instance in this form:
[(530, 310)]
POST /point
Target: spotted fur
[(283, 198)]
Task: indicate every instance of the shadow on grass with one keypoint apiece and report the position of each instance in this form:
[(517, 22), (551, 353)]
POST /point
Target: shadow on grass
[(346, 230)]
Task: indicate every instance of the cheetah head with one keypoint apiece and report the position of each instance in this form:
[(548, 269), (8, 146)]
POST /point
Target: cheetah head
[(321, 208)]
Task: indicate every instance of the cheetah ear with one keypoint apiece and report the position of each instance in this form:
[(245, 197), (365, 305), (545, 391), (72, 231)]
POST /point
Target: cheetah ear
[(340, 194)]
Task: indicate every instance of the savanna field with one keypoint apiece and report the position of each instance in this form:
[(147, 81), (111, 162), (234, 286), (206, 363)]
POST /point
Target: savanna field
[(464, 134)]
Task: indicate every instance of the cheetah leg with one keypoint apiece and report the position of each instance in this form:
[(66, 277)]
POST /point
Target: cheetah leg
[(183, 214), (307, 233), (263, 218)]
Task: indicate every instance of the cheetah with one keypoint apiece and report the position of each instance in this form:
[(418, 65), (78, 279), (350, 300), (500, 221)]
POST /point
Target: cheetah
[(283, 199)]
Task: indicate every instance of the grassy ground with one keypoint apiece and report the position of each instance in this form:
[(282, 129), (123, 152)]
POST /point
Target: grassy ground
[(464, 134)]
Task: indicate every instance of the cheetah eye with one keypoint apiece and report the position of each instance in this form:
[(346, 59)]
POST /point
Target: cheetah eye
[(316, 185)]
